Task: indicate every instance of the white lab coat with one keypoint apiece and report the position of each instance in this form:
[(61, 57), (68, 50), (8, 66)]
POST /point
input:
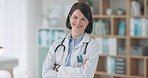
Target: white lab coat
[(75, 70)]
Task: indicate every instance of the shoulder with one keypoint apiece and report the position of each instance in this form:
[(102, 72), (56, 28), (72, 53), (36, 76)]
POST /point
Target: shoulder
[(93, 42), (93, 46)]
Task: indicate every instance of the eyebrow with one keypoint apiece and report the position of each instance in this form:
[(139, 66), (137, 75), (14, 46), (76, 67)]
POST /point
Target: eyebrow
[(82, 17)]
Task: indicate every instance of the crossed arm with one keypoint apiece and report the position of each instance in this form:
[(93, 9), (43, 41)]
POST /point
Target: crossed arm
[(86, 70)]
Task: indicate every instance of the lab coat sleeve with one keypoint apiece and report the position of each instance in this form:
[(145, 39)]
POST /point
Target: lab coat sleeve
[(48, 64), (86, 71)]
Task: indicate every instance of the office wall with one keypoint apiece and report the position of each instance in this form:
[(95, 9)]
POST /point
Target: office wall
[(33, 21)]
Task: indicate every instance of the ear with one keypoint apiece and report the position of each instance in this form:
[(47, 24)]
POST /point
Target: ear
[(69, 16)]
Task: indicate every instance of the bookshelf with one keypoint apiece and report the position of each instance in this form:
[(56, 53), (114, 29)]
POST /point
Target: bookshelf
[(137, 64)]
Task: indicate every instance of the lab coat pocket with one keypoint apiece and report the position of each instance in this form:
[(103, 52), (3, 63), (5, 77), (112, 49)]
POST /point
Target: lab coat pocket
[(81, 59)]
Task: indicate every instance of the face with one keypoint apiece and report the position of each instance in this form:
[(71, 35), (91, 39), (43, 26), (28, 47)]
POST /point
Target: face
[(78, 21)]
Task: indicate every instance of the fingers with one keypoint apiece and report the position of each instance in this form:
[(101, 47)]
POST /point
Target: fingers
[(84, 62), (56, 67)]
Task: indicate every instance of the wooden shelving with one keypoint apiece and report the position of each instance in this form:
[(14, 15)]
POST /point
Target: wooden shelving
[(136, 65), (135, 77), (146, 68), (139, 57), (108, 36), (142, 16), (109, 16), (104, 73), (117, 56), (138, 37)]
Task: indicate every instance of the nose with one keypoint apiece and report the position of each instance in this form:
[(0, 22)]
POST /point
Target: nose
[(78, 21)]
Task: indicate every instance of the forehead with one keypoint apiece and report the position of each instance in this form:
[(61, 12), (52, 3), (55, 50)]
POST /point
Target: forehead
[(78, 13)]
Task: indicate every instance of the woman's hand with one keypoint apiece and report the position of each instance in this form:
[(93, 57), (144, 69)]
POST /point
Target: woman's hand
[(56, 68), (84, 62)]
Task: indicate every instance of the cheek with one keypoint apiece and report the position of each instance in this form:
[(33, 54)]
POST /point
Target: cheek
[(71, 21), (86, 23)]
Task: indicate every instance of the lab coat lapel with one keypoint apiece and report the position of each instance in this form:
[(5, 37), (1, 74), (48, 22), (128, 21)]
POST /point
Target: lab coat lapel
[(66, 44), (84, 40)]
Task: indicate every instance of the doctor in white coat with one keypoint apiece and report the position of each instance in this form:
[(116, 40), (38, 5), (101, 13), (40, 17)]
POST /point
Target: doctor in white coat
[(75, 56)]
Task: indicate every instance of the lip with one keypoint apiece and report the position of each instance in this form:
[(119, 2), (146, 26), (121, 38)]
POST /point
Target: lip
[(78, 26)]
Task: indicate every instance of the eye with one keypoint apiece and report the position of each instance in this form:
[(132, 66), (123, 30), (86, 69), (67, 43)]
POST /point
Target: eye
[(83, 19), (74, 17)]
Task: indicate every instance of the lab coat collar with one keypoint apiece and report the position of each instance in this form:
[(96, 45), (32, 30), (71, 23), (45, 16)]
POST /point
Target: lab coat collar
[(85, 40)]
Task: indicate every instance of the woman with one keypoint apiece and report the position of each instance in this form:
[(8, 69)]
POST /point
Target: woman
[(76, 55)]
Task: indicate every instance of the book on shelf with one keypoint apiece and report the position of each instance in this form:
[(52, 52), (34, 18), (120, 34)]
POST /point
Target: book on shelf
[(120, 66), (122, 28), (112, 42), (103, 45), (116, 65), (135, 8), (97, 27), (107, 45), (138, 27), (111, 65), (100, 27), (144, 28)]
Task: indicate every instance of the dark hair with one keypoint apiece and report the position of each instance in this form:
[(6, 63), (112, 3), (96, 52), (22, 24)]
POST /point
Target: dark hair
[(85, 9)]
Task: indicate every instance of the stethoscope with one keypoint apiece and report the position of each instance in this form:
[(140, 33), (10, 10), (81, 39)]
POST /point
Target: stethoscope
[(62, 45)]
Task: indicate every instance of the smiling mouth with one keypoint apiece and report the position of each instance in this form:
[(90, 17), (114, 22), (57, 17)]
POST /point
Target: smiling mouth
[(78, 26)]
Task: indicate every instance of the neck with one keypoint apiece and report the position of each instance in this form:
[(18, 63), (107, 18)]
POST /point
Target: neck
[(75, 35)]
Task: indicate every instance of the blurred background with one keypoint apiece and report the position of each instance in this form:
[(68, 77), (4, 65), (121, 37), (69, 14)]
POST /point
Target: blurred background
[(29, 27), (21, 23)]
